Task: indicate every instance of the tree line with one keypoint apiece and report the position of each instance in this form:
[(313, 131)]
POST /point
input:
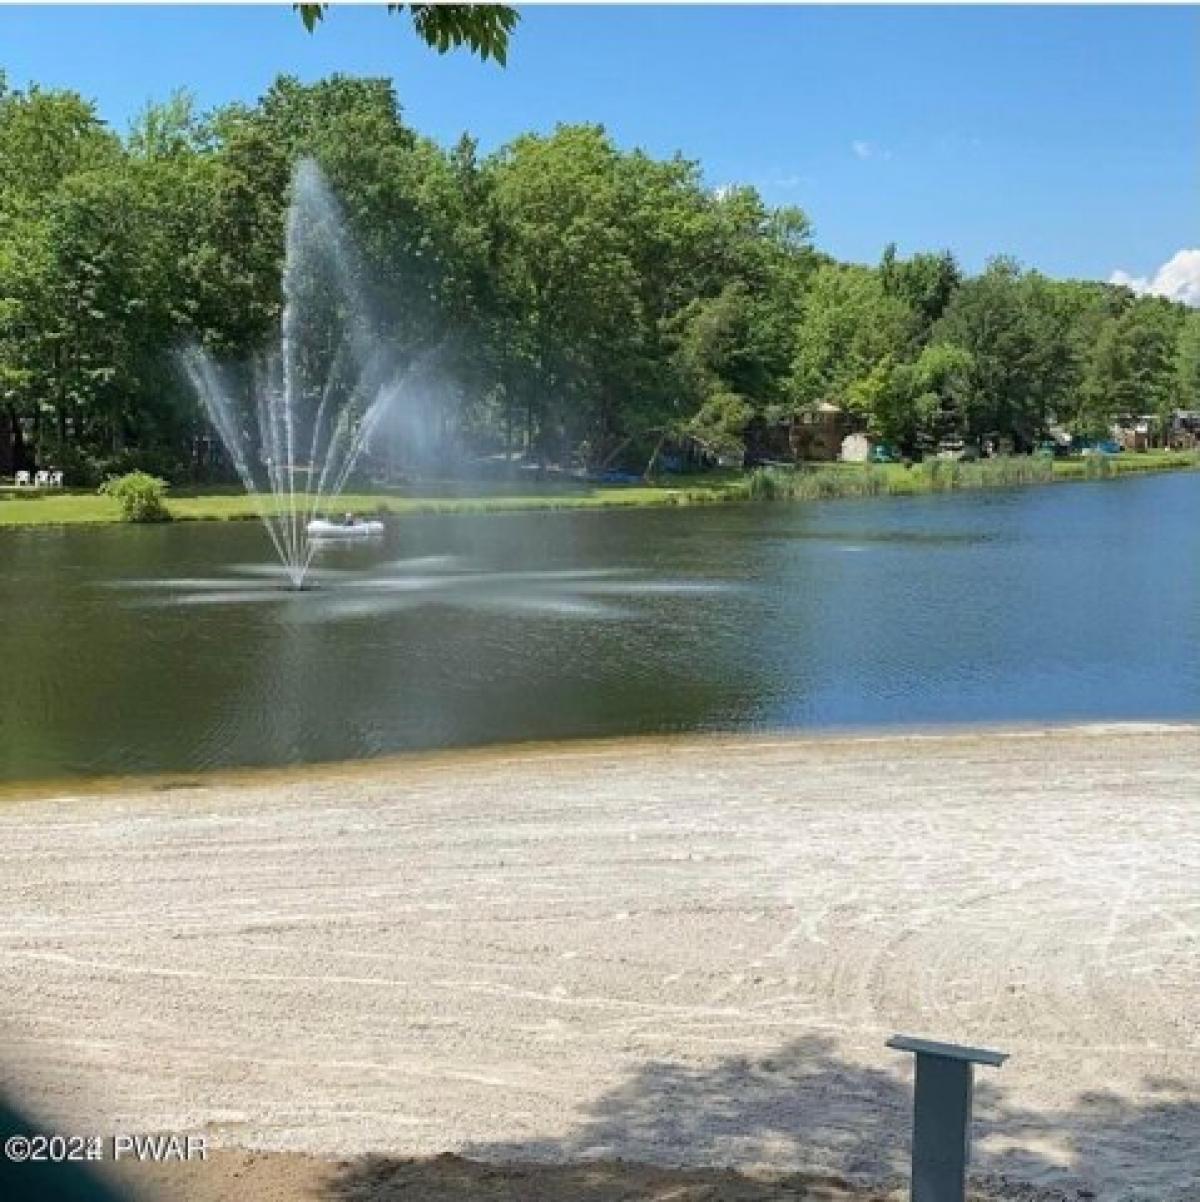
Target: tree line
[(596, 305)]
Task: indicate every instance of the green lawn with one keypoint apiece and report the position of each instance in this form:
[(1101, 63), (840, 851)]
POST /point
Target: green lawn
[(54, 508), (1132, 462), (24, 508)]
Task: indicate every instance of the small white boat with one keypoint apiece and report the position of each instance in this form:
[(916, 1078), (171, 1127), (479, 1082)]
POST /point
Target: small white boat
[(321, 528)]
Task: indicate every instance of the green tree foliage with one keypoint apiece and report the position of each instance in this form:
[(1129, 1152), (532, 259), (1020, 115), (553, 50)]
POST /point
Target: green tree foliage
[(848, 325), (485, 28), (724, 361), (1187, 363), (910, 404), (926, 283), (592, 305), (1132, 367), (997, 320)]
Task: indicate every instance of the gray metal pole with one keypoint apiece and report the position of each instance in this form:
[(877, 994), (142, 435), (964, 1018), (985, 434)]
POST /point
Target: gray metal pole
[(941, 1145)]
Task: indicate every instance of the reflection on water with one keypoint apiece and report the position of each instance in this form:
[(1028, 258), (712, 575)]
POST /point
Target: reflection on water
[(176, 648), (331, 593)]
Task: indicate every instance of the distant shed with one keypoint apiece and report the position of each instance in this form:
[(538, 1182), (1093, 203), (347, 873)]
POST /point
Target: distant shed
[(817, 433), (857, 448)]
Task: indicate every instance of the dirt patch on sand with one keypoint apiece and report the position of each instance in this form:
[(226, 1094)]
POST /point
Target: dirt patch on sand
[(292, 1177)]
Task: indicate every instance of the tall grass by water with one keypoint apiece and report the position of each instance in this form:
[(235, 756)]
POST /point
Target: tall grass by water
[(787, 484), (874, 480), (814, 483)]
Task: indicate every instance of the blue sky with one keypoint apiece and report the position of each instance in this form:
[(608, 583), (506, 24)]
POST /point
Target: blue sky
[(1069, 137)]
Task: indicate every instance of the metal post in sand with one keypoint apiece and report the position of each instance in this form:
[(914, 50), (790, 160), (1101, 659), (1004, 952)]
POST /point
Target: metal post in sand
[(941, 1146)]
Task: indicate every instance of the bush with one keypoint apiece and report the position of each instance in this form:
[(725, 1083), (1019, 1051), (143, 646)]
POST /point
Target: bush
[(142, 497)]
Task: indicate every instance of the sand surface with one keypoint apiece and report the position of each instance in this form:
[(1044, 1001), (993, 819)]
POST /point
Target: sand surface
[(681, 953), (234, 1176)]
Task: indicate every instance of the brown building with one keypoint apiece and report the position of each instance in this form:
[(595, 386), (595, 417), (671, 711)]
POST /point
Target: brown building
[(818, 433), (1184, 431), (812, 434)]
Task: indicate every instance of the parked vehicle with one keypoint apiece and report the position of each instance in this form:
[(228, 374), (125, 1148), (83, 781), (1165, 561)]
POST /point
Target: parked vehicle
[(1106, 446), (954, 447)]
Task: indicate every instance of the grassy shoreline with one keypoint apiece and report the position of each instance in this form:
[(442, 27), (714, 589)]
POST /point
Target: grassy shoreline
[(817, 482)]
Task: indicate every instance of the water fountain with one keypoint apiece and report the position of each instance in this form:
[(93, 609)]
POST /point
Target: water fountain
[(321, 393), (297, 426)]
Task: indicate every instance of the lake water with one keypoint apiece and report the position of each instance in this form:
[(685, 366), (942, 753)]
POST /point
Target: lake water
[(173, 649)]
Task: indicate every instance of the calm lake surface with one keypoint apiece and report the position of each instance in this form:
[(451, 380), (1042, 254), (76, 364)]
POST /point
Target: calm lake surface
[(175, 648)]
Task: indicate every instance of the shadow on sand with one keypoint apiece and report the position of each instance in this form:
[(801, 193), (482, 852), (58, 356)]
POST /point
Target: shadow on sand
[(847, 1125), (44, 1181), (803, 1105)]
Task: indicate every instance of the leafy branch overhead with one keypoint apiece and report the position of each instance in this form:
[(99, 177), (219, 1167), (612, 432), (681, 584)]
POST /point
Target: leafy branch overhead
[(485, 28)]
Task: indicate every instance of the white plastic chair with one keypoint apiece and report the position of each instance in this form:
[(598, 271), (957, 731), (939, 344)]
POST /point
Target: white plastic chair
[(42, 479), (56, 479), (23, 480)]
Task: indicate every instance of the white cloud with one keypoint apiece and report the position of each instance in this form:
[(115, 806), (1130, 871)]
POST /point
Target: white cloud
[(1178, 279), (783, 181), (863, 149)]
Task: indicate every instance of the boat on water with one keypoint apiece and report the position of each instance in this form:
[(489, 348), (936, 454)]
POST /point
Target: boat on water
[(323, 528)]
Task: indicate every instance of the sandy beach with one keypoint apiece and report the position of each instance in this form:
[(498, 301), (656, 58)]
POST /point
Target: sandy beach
[(686, 954)]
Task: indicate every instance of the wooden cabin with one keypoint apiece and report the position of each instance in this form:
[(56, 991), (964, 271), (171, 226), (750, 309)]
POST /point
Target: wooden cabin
[(809, 434)]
